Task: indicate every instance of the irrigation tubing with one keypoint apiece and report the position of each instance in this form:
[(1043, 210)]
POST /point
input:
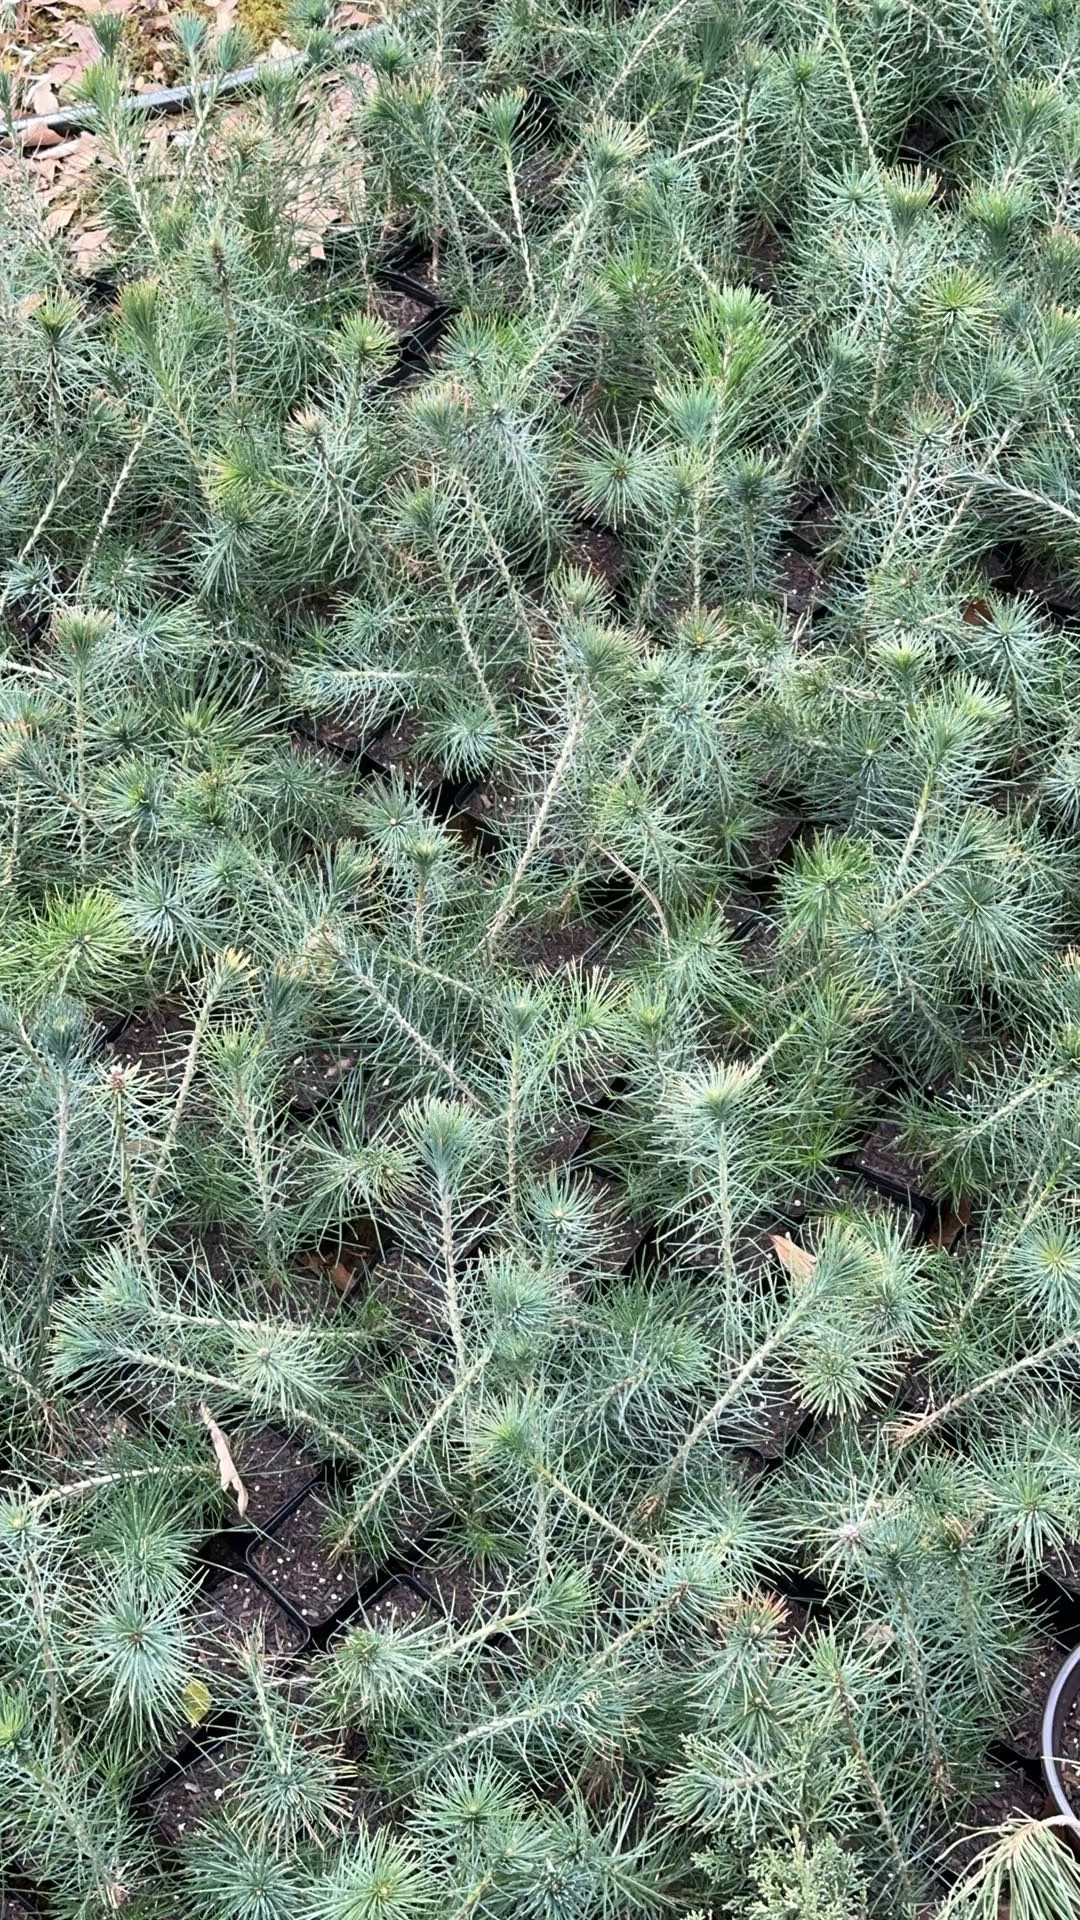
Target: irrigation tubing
[(84, 118)]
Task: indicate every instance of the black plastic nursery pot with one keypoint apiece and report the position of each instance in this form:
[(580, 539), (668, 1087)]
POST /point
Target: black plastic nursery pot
[(400, 1600), (1061, 1743), (292, 1563), (884, 1165)]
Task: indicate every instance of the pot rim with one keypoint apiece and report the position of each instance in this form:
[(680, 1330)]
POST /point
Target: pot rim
[(1062, 1695)]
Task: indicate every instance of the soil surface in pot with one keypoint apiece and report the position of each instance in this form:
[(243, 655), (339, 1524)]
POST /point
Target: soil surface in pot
[(798, 584), (772, 1421), (409, 1294), (297, 1562), (1033, 1679), (462, 1591), (155, 1042), (273, 1468), (231, 1612), (597, 551), (399, 746), (763, 849), (312, 1077), (398, 1605), (399, 310), (561, 1140), (622, 1235), (189, 1799), (547, 949), (87, 1430), (1009, 1795)]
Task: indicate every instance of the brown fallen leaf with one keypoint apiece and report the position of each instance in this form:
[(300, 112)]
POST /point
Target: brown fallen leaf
[(343, 1276), (230, 1479), (84, 152), (90, 247), (35, 139), (952, 1222), (794, 1259), (59, 216), (43, 99)]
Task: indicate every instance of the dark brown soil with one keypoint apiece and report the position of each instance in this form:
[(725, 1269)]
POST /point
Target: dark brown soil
[(398, 1605), (12, 1908), (155, 1041), (365, 1805), (882, 1158), (547, 949), (493, 803), (798, 583), (704, 1255), (623, 1236), (561, 1141), (187, 1801), (298, 1564), (337, 733), (755, 933), (770, 1425), (273, 1469), (409, 1294), (399, 310), (796, 1619), (230, 1613), (765, 254), (764, 848), (397, 746), (1034, 1677), (83, 1433), (598, 552), (461, 1592), (1009, 1795), (314, 1076), (219, 1251)]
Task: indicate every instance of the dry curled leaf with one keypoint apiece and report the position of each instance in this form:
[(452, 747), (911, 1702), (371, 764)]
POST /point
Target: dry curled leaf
[(794, 1259), (43, 98), (230, 1479), (342, 1275), (35, 139)]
